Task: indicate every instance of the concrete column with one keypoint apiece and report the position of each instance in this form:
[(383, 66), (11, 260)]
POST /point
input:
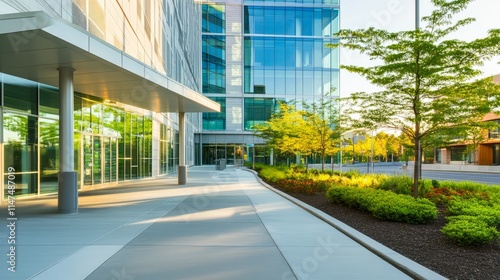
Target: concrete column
[(182, 175), (67, 183)]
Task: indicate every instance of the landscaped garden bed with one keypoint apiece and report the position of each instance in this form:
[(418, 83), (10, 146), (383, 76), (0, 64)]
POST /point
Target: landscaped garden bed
[(455, 233)]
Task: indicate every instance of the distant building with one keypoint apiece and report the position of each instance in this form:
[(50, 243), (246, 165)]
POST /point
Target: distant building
[(487, 152)]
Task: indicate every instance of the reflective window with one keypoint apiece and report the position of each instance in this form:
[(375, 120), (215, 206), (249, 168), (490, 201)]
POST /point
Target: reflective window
[(213, 18), (20, 152), (326, 2), (289, 67), (214, 64), (49, 154), (20, 94), (495, 133), (298, 21), (49, 102), (216, 121), (258, 110), (112, 124), (20, 141), (25, 184), (458, 153)]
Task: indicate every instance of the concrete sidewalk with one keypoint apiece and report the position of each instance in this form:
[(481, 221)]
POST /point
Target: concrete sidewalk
[(221, 225)]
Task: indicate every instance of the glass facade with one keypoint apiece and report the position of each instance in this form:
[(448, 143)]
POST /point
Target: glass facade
[(214, 64), (213, 18), (328, 2), (292, 68), (112, 143), (257, 53), (259, 110), (294, 21), (216, 121)]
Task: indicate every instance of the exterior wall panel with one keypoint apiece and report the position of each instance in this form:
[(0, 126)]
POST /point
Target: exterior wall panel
[(485, 155)]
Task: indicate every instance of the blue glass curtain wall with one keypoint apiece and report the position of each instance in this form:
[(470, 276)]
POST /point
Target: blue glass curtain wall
[(326, 2), (213, 18), (289, 67), (294, 63), (293, 21), (216, 121), (214, 64), (259, 110)]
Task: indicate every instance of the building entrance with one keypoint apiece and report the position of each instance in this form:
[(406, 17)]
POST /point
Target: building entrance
[(99, 160)]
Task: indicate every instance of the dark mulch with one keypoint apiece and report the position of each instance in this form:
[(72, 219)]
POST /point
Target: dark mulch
[(424, 244)]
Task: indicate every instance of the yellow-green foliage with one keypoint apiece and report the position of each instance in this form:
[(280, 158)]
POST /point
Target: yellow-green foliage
[(272, 174), (321, 177), (366, 181)]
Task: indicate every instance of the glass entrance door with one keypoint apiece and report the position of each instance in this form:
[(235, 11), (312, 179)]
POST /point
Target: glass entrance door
[(97, 165), (87, 159), (100, 159), (109, 168)]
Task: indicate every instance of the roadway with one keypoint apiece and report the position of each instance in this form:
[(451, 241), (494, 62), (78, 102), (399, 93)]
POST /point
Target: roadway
[(396, 169)]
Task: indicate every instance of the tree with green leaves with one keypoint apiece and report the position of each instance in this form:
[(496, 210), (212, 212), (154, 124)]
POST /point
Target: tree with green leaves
[(324, 119), (313, 130), (428, 80), (287, 131)]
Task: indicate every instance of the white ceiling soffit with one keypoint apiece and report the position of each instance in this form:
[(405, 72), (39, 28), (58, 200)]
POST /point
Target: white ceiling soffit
[(34, 45)]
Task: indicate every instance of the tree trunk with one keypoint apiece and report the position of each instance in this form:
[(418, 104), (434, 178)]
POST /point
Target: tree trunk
[(322, 162), (417, 166)]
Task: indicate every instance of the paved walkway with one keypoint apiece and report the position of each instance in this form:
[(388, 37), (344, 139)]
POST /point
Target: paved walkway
[(221, 225)]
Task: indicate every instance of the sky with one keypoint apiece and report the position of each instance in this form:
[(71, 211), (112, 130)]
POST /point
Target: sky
[(397, 15)]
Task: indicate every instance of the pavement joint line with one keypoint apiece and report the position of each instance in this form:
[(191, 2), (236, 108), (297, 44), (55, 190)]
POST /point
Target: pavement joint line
[(271, 236), (406, 265), (73, 260)]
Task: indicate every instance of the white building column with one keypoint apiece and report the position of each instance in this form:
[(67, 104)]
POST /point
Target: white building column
[(182, 175), (67, 183)]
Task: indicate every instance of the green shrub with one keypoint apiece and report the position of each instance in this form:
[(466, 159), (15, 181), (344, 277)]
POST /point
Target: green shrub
[(403, 208), (272, 174), (435, 184), (384, 205), (488, 219), (470, 231), (399, 184), (424, 187), (351, 173), (476, 207)]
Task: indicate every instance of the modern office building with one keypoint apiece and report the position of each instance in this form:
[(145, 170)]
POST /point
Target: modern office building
[(256, 53), (96, 92)]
